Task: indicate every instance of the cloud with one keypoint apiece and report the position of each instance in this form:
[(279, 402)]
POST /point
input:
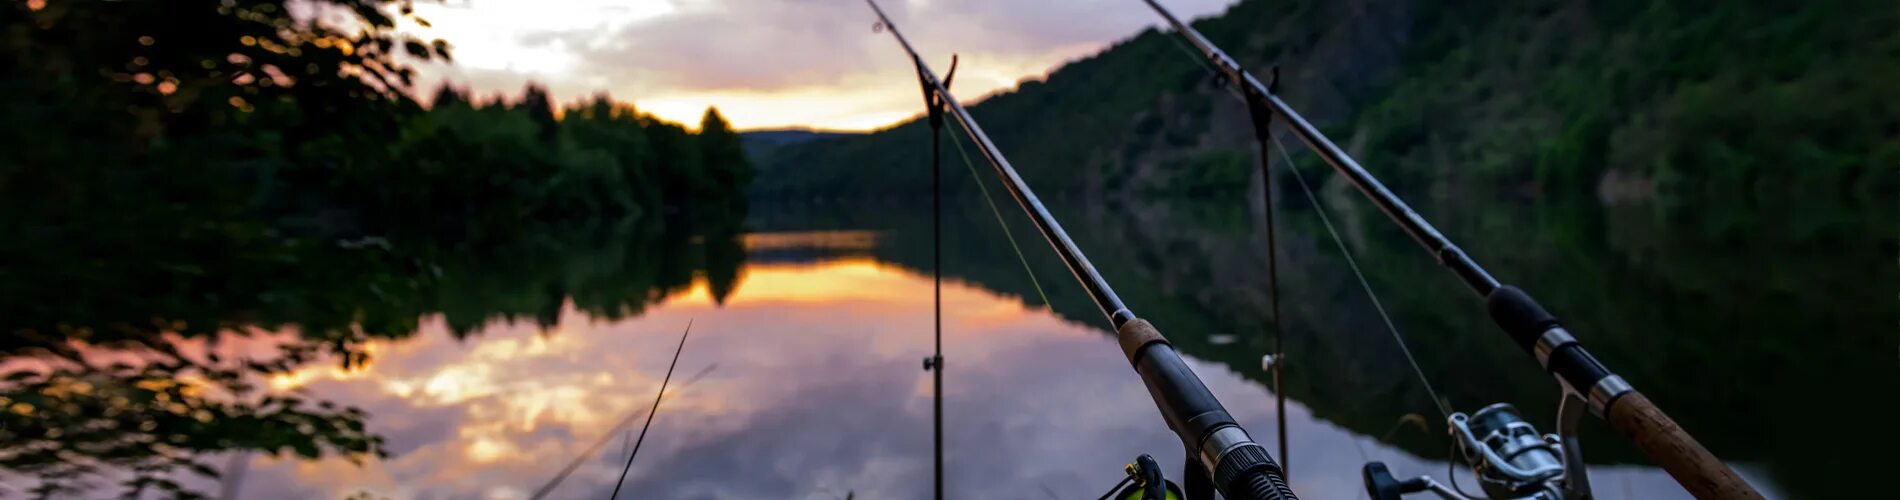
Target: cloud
[(745, 45), (754, 44), (773, 62)]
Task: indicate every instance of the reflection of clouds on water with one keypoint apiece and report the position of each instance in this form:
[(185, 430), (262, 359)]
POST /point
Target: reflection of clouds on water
[(819, 392)]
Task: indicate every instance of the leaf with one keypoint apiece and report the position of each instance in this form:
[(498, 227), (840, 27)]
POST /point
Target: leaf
[(416, 48)]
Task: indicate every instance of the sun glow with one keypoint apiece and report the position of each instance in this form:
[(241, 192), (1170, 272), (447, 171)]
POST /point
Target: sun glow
[(520, 35), (764, 65), (821, 107), (487, 450)]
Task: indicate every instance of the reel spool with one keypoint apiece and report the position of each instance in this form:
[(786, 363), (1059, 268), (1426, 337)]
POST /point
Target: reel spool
[(1509, 456), (1511, 459)]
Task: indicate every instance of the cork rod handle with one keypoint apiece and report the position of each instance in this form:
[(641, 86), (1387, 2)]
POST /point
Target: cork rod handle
[(1676, 451)]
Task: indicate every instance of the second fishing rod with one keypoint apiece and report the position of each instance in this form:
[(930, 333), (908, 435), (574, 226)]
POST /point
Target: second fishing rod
[(1585, 382), (1220, 454)]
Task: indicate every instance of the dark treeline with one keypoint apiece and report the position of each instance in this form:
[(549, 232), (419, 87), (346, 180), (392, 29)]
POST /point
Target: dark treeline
[(492, 165), (191, 170)]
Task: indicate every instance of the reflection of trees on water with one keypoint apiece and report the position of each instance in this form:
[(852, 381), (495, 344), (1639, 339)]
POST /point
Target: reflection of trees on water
[(148, 402), (608, 271), (74, 421), (1674, 297), (176, 171)]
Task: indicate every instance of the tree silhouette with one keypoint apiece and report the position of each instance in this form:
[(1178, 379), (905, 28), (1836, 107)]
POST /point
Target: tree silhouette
[(189, 170), (719, 149)]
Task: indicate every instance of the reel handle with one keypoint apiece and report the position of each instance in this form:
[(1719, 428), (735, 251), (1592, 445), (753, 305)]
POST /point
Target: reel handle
[(1676, 451), (1381, 485)]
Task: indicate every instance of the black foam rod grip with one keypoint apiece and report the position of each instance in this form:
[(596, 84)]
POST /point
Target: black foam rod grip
[(1519, 315)]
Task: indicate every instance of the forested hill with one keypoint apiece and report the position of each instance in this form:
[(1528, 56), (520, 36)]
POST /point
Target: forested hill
[(759, 144), (1752, 99)]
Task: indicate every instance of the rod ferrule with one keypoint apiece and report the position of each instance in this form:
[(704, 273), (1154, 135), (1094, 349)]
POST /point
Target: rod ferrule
[(1220, 442), (1552, 340), (1606, 392), (1557, 351), (1121, 317)]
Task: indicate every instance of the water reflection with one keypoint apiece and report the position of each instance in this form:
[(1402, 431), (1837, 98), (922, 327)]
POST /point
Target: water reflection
[(818, 394), (117, 390), (1672, 296), (527, 354)]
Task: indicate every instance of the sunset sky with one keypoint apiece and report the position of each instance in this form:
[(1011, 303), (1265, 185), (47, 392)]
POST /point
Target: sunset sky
[(768, 63)]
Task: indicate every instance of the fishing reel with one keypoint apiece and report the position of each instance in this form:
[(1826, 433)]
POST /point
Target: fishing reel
[(1509, 457), (1144, 482)]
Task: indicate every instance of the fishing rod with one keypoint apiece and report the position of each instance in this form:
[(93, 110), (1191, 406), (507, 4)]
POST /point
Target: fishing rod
[(1510, 459), (1220, 455), (626, 421)]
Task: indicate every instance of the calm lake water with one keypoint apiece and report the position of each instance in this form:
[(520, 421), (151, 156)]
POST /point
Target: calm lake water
[(802, 376), (805, 384)]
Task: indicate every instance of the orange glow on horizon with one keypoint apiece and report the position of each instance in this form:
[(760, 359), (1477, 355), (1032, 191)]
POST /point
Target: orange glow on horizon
[(859, 102), (869, 103), (834, 240), (513, 404)]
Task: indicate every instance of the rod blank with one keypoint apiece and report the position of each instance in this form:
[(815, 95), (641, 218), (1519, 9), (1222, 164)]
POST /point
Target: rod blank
[(1072, 257), (1228, 459)]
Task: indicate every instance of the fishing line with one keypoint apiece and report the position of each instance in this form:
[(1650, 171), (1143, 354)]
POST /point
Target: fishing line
[(656, 410), (1246, 469), (608, 436), (1451, 470), (1321, 210), (1363, 283), (1193, 55), (1000, 222)]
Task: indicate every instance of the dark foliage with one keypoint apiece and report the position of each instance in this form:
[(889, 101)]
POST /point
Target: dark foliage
[(1724, 100), (177, 173)]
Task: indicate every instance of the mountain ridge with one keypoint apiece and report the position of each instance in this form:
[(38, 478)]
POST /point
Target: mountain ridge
[(1438, 95), (757, 144)]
